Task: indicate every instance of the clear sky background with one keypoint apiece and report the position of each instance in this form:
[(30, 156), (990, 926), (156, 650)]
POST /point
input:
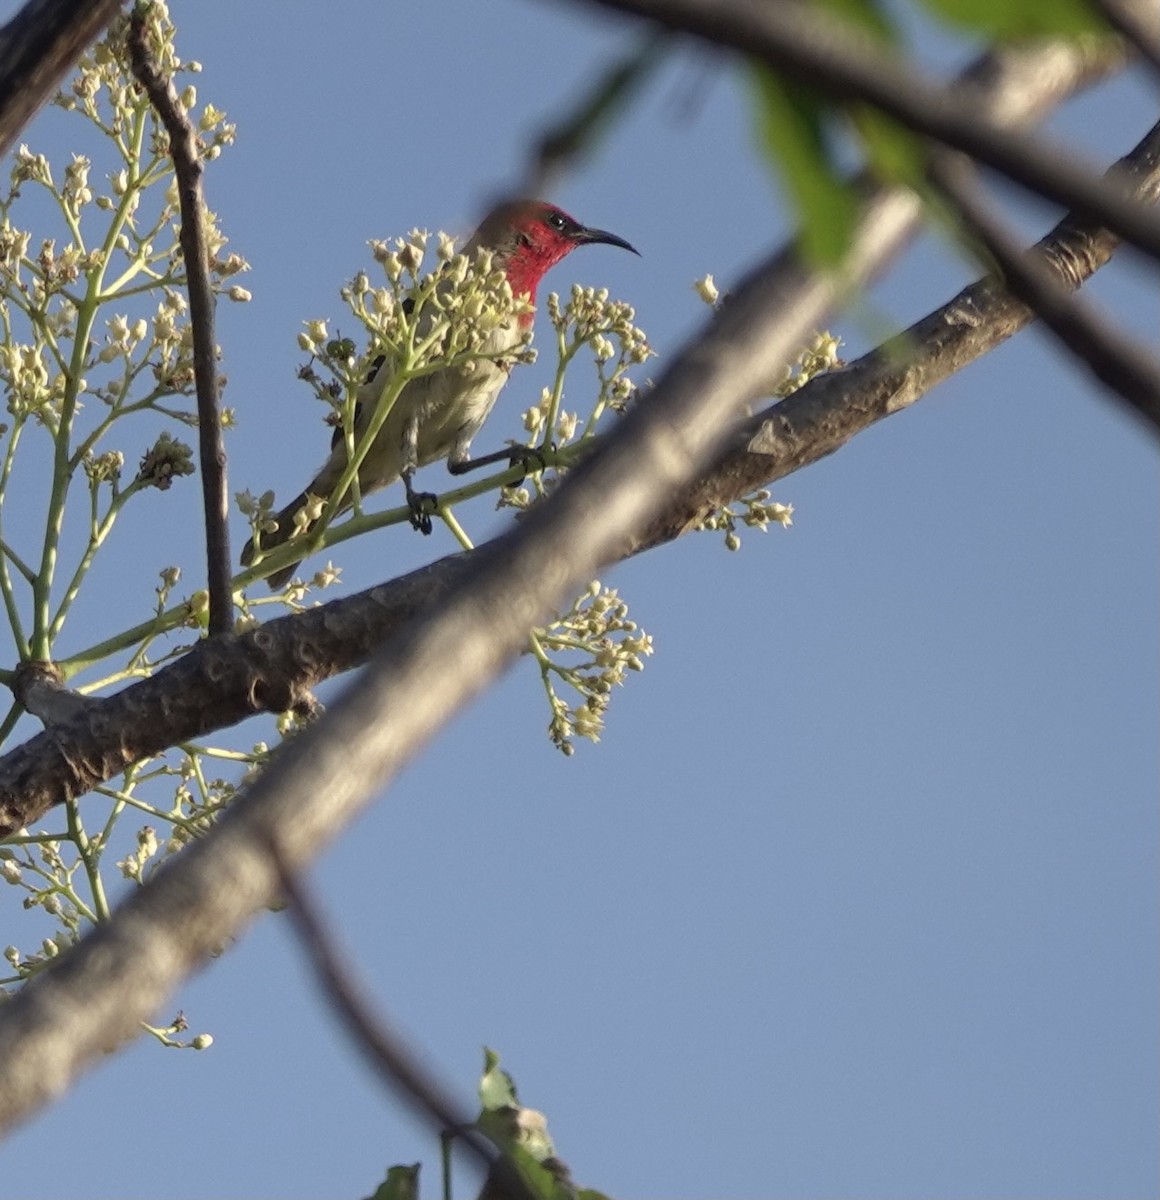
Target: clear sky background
[(858, 895)]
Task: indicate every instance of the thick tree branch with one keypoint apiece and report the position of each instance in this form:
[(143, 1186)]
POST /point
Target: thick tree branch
[(806, 43), (37, 47), (92, 998), (226, 679), (831, 409), (188, 168), (1122, 363)]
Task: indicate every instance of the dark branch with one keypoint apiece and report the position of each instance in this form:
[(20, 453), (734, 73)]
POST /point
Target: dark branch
[(809, 45), (37, 47), (188, 168)]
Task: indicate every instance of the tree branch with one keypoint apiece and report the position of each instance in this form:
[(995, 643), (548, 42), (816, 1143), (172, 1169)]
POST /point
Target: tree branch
[(807, 44), (37, 47), (831, 409), (93, 996), (1137, 24), (225, 679), (1120, 362), (188, 168)]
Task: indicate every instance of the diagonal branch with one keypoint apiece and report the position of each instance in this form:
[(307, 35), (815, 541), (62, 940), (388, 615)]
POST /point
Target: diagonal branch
[(831, 409), (37, 47), (92, 998), (1120, 362), (188, 169), (228, 678), (1136, 23), (809, 45)]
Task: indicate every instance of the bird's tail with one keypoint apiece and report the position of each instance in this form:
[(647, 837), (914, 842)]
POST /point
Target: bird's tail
[(275, 538)]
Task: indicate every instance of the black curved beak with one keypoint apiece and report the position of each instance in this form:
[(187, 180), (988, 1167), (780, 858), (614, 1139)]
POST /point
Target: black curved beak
[(591, 237)]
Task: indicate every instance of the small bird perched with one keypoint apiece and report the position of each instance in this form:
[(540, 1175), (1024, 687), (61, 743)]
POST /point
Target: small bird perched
[(436, 415)]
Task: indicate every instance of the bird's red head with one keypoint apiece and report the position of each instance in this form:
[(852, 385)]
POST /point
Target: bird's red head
[(530, 237)]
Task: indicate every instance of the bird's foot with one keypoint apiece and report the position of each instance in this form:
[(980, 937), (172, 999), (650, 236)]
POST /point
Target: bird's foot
[(423, 506), (531, 459)]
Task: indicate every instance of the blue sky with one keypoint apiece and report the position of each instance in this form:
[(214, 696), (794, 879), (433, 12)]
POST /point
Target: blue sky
[(857, 897)]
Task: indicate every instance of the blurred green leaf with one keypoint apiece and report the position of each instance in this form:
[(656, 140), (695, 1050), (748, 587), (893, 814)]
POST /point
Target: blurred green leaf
[(497, 1089), (791, 121), (539, 1180), (1020, 18), (895, 154), (401, 1183)]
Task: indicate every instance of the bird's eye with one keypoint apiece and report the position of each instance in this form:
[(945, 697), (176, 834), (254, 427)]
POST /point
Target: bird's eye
[(557, 220)]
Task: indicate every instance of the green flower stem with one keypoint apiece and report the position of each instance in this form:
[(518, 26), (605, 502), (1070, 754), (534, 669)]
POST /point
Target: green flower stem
[(14, 711), (42, 634), (220, 752), (564, 356), (117, 411), (34, 839), (90, 857), (457, 531), (7, 555), (114, 812), (97, 536), (11, 556)]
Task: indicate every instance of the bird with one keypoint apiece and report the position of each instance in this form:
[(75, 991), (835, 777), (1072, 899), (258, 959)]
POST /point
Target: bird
[(436, 415)]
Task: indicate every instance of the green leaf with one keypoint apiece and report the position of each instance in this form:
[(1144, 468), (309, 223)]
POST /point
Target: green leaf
[(401, 1183), (792, 122), (895, 154), (1020, 18), (497, 1089), (541, 1181)]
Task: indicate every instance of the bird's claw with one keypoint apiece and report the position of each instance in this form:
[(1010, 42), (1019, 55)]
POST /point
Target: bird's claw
[(532, 459), (423, 506)]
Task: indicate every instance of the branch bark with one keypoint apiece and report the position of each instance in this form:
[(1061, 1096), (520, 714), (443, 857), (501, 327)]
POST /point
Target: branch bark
[(188, 169), (91, 998), (228, 678), (37, 47)]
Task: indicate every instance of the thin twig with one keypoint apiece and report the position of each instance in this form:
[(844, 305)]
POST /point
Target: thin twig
[(809, 45), (413, 1083), (1120, 362), (188, 168)]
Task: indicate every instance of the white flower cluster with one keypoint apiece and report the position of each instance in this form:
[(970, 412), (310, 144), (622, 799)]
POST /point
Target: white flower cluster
[(590, 649)]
